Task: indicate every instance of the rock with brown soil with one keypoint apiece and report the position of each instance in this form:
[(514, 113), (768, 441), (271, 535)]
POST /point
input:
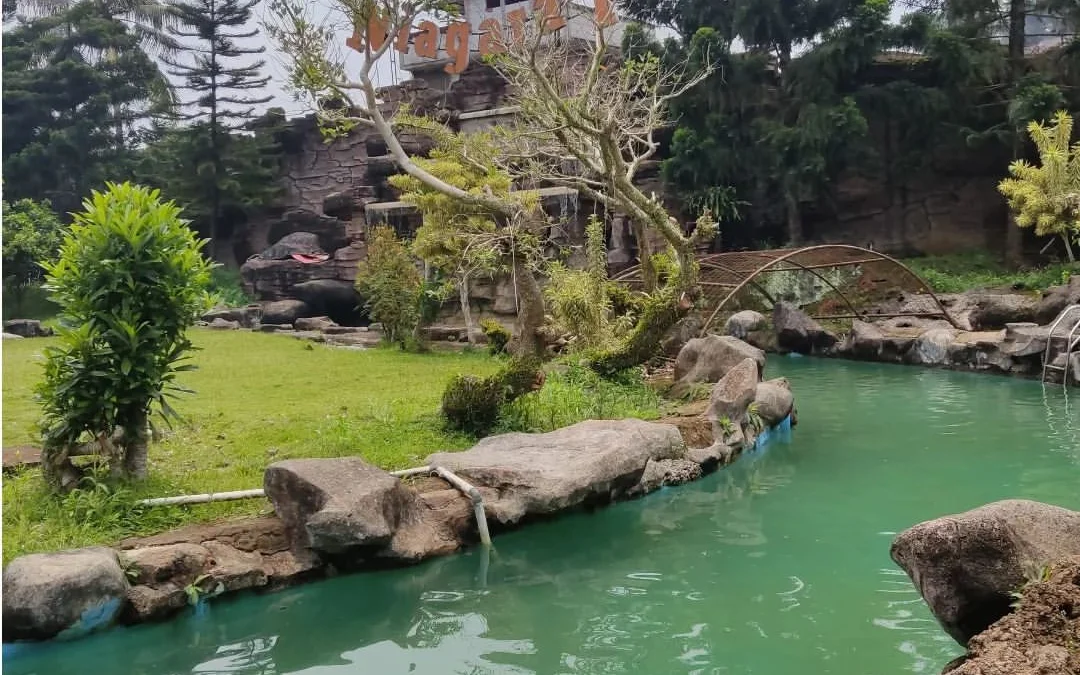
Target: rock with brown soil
[(693, 423), (966, 566), (591, 462), (708, 359), (1040, 637)]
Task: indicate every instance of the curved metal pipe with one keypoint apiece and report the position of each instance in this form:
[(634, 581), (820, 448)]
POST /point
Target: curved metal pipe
[(474, 495), (849, 247)]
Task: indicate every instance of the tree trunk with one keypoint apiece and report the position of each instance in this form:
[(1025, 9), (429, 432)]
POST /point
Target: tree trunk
[(1014, 242), (794, 219), (136, 447), (1068, 247), (527, 340), (466, 309), (649, 278), (1014, 238)]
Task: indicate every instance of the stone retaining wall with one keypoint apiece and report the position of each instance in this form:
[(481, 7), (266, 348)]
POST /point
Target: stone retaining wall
[(339, 515)]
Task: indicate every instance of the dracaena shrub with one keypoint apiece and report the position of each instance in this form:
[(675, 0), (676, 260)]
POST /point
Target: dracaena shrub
[(130, 280)]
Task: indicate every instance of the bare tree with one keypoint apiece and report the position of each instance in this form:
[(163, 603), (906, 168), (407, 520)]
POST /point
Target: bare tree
[(586, 121)]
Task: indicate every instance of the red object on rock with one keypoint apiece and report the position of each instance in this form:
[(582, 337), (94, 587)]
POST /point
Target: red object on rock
[(309, 259)]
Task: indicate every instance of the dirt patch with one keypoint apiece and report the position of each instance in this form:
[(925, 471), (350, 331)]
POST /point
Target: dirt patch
[(21, 455), (1040, 637), (690, 420), (424, 484)]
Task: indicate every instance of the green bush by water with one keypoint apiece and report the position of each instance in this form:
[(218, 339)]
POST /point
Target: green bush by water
[(576, 393), (227, 288), (962, 272)]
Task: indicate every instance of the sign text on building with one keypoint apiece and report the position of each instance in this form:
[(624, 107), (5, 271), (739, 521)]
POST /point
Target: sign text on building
[(458, 33)]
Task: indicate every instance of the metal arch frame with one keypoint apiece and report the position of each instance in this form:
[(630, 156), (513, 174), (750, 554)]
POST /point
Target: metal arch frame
[(629, 272), (717, 266), (786, 258)]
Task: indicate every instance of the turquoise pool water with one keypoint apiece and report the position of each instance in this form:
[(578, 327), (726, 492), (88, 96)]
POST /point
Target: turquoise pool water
[(776, 565)]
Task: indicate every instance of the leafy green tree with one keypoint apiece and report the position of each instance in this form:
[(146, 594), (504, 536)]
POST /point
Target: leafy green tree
[(391, 285), (464, 241), (148, 20), (1047, 197), (184, 164), (130, 280), (771, 130), (212, 68), (32, 236), (77, 89)]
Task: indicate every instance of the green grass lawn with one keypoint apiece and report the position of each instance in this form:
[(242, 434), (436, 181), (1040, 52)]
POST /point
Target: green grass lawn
[(966, 271), (261, 398)]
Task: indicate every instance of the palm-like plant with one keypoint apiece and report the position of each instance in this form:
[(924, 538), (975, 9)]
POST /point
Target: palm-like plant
[(151, 21), (1047, 197)]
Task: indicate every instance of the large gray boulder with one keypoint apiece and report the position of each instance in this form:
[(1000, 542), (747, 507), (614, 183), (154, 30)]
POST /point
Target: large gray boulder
[(333, 298), (967, 565), (1056, 299), (330, 233), (335, 505), (63, 594), (797, 332), (709, 358), (731, 397), (247, 317), (279, 312), (865, 340), (751, 327), (992, 311), (591, 462), (932, 347), (27, 328), (742, 324), (1025, 339), (774, 400)]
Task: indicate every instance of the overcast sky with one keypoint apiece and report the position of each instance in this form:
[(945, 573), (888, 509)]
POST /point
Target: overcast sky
[(387, 73)]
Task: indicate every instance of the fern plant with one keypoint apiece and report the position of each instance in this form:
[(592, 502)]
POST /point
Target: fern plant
[(1047, 197), (580, 302)]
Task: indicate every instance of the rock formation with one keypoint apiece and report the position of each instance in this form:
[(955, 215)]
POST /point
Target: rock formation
[(589, 463), (62, 594), (1039, 637), (708, 359), (968, 566)]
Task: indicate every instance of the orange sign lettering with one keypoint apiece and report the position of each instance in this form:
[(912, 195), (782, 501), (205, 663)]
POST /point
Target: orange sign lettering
[(458, 34)]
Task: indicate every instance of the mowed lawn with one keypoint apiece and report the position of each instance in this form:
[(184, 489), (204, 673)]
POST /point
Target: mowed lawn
[(259, 398)]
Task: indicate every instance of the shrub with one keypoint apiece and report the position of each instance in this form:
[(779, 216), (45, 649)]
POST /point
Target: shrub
[(472, 404), (227, 288), (577, 393), (497, 336), (130, 280), (579, 300), (391, 284), (32, 236)]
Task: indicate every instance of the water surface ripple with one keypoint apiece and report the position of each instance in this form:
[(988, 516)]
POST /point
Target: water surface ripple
[(776, 565)]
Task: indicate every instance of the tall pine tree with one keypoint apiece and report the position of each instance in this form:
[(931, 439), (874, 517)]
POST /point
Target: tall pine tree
[(223, 172)]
